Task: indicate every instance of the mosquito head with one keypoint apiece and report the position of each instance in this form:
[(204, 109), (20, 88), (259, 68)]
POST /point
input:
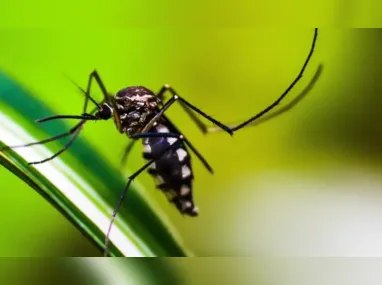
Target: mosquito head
[(105, 112)]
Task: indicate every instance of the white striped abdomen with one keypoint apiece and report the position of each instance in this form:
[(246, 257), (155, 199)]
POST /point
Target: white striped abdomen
[(173, 171)]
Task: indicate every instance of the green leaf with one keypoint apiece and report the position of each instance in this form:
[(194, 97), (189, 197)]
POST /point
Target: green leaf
[(80, 183)]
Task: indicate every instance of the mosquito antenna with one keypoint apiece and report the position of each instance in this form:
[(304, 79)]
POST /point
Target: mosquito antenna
[(82, 90)]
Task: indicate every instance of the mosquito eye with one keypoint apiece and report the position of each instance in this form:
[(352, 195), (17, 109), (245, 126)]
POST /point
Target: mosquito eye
[(106, 112)]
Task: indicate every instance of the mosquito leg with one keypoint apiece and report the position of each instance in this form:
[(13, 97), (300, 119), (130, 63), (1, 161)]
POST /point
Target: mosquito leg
[(199, 156), (94, 74), (186, 105), (173, 135), (70, 132), (133, 176), (107, 97), (274, 104), (172, 101), (84, 108), (85, 117), (86, 93), (159, 114), (189, 144), (203, 127), (67, 145), (285, 108), (76, 129), (127, 151)]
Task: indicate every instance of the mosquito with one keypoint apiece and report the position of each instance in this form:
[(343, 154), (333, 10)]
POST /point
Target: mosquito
[(139, 113)]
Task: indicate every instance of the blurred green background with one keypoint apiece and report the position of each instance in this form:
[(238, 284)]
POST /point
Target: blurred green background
[(332, 138)]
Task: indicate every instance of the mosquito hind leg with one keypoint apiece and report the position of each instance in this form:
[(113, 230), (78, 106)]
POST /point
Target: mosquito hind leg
[(202, 127), (189, 108), (285, 108)]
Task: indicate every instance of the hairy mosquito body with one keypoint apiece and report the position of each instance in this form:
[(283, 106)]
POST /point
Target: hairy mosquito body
[(134, 107)]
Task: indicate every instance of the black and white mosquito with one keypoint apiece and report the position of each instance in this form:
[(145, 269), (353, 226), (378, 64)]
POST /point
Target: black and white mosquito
[(140, 114)]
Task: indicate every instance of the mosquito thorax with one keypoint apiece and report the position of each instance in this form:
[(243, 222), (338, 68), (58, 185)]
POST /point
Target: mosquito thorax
[(136, 105)]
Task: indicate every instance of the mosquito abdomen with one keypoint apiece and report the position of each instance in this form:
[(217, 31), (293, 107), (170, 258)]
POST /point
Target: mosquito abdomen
[(172, 171)]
